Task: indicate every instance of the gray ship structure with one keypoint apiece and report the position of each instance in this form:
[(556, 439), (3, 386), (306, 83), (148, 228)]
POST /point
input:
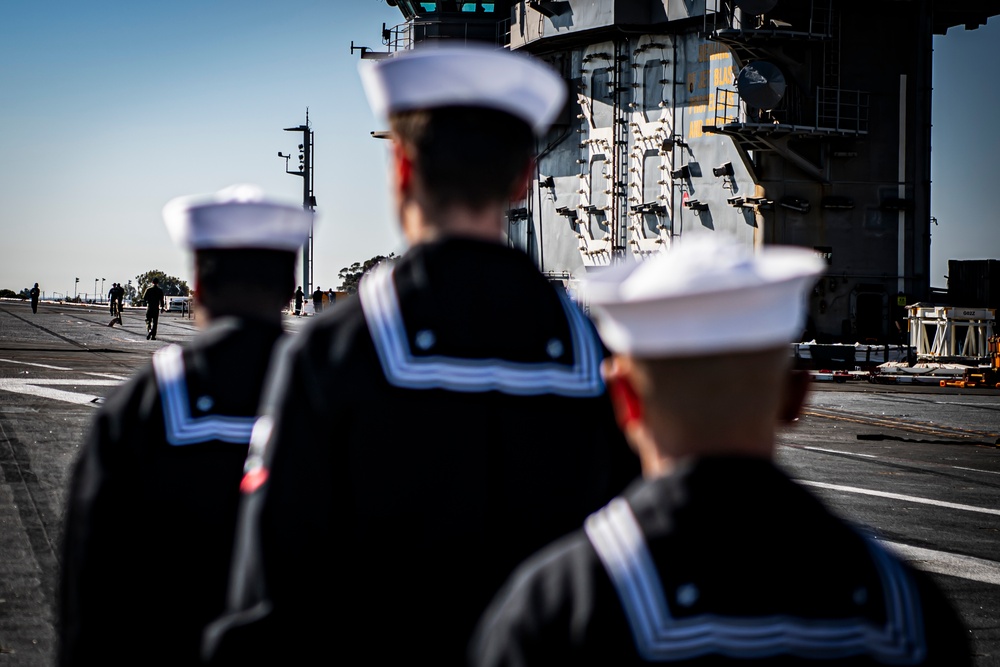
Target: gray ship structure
[(804, 122)]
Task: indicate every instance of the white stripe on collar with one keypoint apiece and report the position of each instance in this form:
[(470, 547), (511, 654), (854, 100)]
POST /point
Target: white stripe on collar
[(621, 546), (181, 427), (380, 304)]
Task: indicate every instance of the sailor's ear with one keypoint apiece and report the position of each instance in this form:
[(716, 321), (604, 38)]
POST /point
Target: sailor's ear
[(624, 398), (796, 390), (402, 167), (520, 190), (196, 283)]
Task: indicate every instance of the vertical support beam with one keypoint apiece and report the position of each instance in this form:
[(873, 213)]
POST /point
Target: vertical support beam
[(675, 207), (901, 241), (620, 159), (308, 199), (307, 273)]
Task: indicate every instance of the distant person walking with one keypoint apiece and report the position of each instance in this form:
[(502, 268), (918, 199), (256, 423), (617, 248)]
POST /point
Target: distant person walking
[(330, 296), (318, 300), (33, 293), (120, 299), (298, 300), (117, 297), (154, 304)]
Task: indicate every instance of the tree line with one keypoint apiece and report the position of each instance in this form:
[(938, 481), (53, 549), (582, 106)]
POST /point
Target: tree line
[(171, 286)]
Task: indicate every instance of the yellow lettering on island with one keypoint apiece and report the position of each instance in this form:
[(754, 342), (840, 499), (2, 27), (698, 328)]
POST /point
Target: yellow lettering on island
[(711, 51), (697, 80), (694, 129)]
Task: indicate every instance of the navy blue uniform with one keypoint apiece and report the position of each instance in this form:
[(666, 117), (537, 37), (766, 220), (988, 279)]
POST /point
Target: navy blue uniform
[(152, 507), (457, 385), (725, 561)]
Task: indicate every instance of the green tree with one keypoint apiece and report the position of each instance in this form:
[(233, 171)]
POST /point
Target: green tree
[(350, 276), (171, 285), (130, 293), (8, 294)]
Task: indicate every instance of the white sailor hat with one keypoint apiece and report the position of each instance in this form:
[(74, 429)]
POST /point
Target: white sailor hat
[(706, 295), (237, 217), (468, 76)]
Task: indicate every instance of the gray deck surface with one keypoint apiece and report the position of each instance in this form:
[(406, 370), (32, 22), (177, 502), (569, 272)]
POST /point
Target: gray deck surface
[(928, 453)]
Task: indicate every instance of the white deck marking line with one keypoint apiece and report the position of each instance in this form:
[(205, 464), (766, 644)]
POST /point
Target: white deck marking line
[(962, 404), (989, 472), (43, 388), (942, 562), (872, 456), (107, 375), (837, 451), (86, 382), (899, 496), (28, 363)]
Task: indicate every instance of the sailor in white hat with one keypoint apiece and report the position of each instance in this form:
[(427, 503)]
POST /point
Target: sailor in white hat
[(459, 383), (715, 555), (152, 506)]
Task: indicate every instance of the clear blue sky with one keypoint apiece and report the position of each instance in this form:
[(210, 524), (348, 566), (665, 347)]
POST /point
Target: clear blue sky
[(111, 108), (965, 142)]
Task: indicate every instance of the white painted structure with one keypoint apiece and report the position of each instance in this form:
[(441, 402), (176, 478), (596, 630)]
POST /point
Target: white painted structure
[(941, 331)]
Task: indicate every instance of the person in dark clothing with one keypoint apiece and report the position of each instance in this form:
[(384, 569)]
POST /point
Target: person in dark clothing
[(119, 301), (33, 294), (715, 556), (152, 505), (113, 305), (154, 304), (458, 383), (317, 297), (298, 300), (117, 297)]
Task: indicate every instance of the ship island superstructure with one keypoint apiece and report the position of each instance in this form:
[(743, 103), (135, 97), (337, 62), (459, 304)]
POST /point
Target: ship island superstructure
[(804, 122)]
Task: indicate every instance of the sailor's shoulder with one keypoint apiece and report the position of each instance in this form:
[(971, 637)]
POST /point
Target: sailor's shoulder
[(559, 577), (336, 338), (557, 606)]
